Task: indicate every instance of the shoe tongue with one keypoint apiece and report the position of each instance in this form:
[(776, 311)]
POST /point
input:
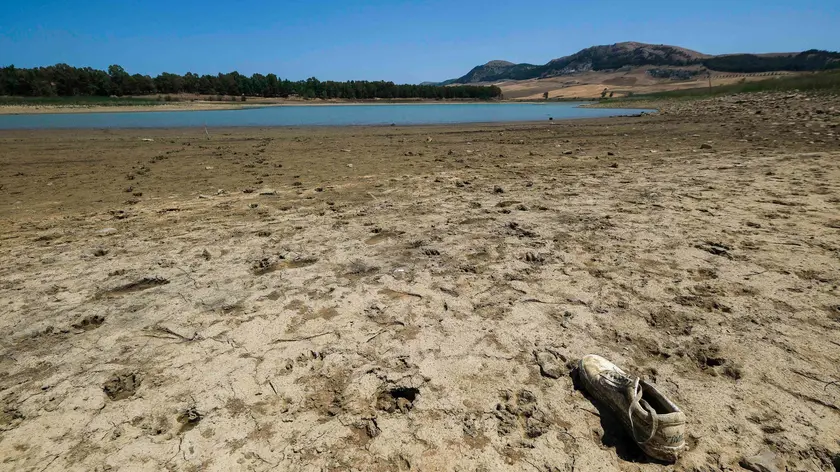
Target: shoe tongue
[(617, 379)]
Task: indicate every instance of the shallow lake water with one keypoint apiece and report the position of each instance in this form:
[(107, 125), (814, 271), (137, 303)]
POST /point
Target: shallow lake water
[(321, 115)]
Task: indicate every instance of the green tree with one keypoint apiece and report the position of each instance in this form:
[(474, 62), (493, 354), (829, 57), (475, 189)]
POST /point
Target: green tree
[(119, 77), (190, 82)]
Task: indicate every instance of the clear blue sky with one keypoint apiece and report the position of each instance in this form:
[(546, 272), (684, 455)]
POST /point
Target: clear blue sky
[(403, 41)]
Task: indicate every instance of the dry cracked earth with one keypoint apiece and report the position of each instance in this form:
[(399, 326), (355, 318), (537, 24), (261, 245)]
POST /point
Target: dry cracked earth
[(413, 298)]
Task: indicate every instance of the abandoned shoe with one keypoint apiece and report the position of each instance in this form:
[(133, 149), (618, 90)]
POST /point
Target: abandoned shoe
[(655, 422)]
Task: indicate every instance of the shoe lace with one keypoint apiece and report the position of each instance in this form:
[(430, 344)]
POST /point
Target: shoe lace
[(637, 400)]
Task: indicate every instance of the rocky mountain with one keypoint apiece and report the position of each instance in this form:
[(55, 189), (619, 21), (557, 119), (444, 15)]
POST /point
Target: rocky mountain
[(494, 71), (633, 54)]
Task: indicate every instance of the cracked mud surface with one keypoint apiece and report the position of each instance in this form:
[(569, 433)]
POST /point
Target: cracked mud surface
[(411, 297)]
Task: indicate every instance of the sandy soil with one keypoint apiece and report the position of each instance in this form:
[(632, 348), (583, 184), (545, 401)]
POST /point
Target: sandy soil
[(410, 298), (590, 84)]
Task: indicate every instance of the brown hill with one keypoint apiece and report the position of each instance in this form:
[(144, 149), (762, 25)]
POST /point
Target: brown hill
[(660, 58)]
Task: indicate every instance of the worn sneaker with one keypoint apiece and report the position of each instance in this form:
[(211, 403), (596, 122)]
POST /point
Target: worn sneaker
[(655, 422)]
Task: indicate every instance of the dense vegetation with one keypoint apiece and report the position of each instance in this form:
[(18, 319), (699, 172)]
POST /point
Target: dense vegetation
[(673, 74), (617, 56), (495, 71), (811, 60), (62, 80)]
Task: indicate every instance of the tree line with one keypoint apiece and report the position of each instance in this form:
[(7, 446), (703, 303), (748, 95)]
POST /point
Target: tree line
[(66, 81), (811, 60)]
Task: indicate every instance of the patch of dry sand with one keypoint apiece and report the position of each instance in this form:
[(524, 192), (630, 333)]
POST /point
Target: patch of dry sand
[(637, 81), (379, 298)]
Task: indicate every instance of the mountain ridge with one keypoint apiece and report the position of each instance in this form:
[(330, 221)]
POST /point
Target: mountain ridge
[(636, 54)]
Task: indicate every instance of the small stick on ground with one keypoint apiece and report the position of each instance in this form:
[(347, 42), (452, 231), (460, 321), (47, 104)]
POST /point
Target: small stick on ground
[(164, 329), (814, 378), (189, 276), (536, 300), (375, 335), (304, 338)]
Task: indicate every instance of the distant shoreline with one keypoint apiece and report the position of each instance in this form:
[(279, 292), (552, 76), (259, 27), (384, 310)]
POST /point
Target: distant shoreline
[(210, 106)]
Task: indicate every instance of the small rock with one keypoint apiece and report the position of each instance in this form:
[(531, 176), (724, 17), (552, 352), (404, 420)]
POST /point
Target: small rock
[(106, 231), (551, 364), (404, 405), (371, 428), (764, 461), (498, 189), (534, 258), (267, 191), (208, 168), (705, 146)]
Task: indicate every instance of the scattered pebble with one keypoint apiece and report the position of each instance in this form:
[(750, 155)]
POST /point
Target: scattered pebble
[(764, 461), (552, 364)]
